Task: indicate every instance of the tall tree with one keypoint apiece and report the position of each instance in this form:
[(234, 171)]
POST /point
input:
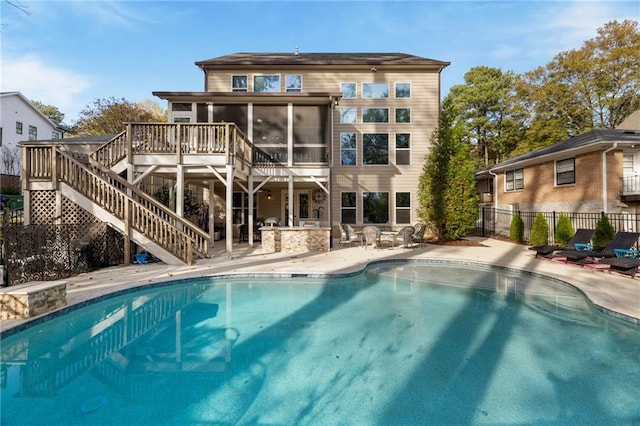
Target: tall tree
[(109, 115), (486, 105), (596, 86), (50, 111)]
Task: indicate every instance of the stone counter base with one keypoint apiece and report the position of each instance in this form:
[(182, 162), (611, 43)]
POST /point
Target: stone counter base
[(33, 299), (295, 240)]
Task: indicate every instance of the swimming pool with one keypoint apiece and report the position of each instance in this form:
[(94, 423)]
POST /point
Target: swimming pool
[(400, 343)]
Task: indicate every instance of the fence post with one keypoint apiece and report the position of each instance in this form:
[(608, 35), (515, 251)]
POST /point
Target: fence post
[(4, 271), (483, 220)]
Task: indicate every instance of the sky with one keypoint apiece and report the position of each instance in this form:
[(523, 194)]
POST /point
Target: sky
[(70, 53)]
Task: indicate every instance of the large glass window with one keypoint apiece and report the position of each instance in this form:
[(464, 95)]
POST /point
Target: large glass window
[(348, 90), (514, 180), (240, 207), (239, 83), (348, 207), (403, 115), (375, 90), (33, 133), (403, 90), (375, 148), (181, 106), (293, 83), (375, 207), (566, 172), (403, 149), (266, 83), (375, 115), (18, 127), (348, 116), (348, 153), (403, 207)]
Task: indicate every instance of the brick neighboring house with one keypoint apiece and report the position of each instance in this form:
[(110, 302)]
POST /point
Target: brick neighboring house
[(21, 121), (598, 171)]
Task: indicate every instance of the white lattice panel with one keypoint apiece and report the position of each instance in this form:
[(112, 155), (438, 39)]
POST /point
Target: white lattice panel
[(73, 213), (43, 207)]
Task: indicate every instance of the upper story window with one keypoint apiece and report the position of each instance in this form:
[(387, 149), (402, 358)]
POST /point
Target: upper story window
[(403, 115), (348, 116), (566, 172), (627, 165), (403, 90), (18, 127), (403, 148), (348, 153), (375, 90), (348, 90), (266, 83), (293, 83), (239, 83), (514, 180), (55, 135), (375, 115), (182, 119), (181, 106), (375, 148), (33, 133)]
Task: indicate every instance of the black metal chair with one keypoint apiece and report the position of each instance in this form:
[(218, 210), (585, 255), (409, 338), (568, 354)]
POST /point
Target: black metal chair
[(243, 233)]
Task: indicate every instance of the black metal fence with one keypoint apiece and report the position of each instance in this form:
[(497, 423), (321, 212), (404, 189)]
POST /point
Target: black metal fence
[(51, 252), (496, 222)]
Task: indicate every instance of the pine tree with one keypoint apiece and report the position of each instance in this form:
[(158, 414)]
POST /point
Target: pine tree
[(516, 230), (539, 231), (564, 230), (604, 232)]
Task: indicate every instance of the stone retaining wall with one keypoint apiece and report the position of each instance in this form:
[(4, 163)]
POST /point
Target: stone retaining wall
[(33, 299)]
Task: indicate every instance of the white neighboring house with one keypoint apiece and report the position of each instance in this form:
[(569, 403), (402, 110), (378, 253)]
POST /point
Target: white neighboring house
[(21, 121)]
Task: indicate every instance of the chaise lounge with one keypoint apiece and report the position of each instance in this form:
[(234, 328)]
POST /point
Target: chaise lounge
[(621, 241), (582, 236)]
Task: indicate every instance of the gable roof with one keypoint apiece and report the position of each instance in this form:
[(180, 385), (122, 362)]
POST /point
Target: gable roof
[(591, 141), (28, 103), (632, 122), (320, 59)]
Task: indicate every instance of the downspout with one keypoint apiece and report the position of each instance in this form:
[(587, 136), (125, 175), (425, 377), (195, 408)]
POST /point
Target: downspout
[(604, 176)]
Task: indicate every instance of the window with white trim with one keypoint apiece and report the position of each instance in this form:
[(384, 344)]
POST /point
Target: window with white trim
[(348, 116), (293, 83), (348, 153), (33, 133), (403, 90), (514, 180), (239, 83), (375, 148), (266, 83), (403, 149), (348, 90), (348, 207), (403, 207), (403, 115), (375, 207), (375, 90), (566, 172), (375, 115), (18, 127)]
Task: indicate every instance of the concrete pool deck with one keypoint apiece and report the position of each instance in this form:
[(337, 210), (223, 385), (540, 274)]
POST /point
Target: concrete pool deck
[(609, 291)]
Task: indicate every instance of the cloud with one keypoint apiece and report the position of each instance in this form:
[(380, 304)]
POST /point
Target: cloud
[(48, 84), (112, 13)]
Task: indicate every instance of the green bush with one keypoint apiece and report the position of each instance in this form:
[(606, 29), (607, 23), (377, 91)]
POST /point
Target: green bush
[(539, 231), (516, 231), (564, 230), (604, 232)]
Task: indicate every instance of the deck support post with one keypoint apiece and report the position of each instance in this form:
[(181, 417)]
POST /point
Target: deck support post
[(229, 211)]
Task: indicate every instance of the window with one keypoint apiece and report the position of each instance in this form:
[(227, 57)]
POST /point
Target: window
[(403, 207), (403, 115), (627, 165), (375, 207), (375, 148), (33, 133), (514, 180), (293, 83), (348, 90), (266, 83), (403, 90), (239, 83), (403, 149), (566, 172), (348, 116), (375, 115), (375, 90), (348, 154), (0, 136), (181, 119), (348, 207), (55, 135), (18, 127), (240, 207), (181, 106)]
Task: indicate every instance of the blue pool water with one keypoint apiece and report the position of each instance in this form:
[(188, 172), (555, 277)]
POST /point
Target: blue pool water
[(401, 343)]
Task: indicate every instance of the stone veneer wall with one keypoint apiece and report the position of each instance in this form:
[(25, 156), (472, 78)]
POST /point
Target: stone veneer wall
[(296, 240), (33, 299)]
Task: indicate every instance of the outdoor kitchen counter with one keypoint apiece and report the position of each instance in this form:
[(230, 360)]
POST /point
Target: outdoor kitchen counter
[(297, 239)]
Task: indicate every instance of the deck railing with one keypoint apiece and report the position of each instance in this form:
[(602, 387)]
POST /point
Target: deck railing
[(179, 138)]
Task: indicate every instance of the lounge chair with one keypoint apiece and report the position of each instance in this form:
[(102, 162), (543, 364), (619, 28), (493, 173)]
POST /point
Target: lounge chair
[(371, 236), (405, 236), (624, 265), (352, 235), (582, 236), (418, 236), (621, 241)]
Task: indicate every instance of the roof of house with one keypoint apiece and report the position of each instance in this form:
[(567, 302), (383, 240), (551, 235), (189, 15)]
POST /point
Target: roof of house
[(306, 59), (28, 102), (632, 122), (590, 141)]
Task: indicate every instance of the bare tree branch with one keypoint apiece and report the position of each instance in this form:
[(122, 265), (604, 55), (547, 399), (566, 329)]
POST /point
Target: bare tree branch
[(20, 7)]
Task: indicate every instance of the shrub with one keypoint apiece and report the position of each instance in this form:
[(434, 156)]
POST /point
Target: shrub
[(539, 231), (604, 232), (564, 230), (516, 231)]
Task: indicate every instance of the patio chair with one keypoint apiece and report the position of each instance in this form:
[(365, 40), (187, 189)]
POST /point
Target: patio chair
[(582, 236), (624, 265), (405, 236), (352, 235), (371, 236), (418, 236), (243, 233), (621, 241)]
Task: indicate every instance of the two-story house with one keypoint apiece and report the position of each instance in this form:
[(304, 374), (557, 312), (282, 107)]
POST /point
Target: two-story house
[(305, 138), (20, 121)]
